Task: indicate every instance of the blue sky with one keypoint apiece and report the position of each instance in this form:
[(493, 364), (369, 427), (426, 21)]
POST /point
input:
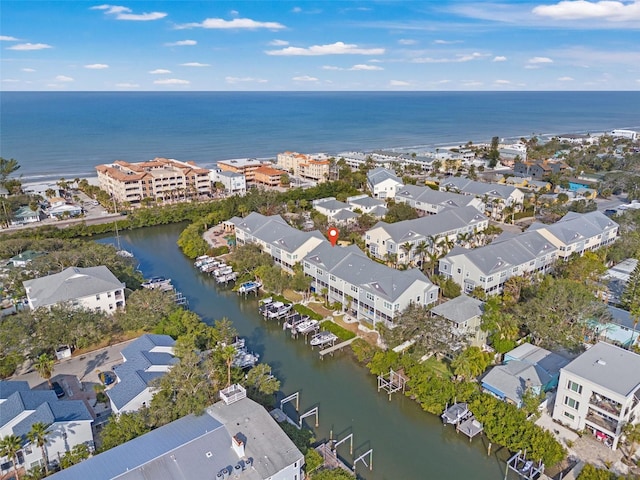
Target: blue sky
[(330, 45)]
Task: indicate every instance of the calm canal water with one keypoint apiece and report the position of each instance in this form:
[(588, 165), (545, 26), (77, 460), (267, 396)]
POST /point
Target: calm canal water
[(407, 442)]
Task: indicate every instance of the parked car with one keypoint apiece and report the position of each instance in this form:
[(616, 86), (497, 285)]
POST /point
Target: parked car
[(55, 386)]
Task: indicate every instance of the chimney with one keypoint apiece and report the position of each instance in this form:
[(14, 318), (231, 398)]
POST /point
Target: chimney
[(237, 443)]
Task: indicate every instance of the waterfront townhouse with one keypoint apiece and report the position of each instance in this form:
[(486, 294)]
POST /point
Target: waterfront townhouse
[(383, 183), (234, 438), (372, 206), (145, 359), (92, 288), (69, 423), (438, 232), (600, 392), (243, 166), (465, 314), (429, 202), (268, 176), (496, 197), (489, 267), (160, 179), (338, 213), (366, 289), (311, 167), (276, 237), (579, 232)]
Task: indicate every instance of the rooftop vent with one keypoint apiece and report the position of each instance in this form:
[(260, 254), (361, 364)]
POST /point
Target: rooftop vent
[(601, 362)]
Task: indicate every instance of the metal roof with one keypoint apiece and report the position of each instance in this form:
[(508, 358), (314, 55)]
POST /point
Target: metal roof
[(460, 309)]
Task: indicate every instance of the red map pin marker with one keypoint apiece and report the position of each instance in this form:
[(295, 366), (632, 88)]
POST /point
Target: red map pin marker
[(333, 236)]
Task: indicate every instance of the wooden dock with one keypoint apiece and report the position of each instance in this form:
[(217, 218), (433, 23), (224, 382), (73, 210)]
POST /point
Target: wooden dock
[(330, 457), (337, 347)]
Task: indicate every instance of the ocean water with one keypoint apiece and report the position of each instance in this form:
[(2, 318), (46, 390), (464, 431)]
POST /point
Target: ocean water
[(66, 134)]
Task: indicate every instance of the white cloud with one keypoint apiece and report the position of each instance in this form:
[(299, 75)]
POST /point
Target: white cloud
[(181, 43), (338, 48), (171, 81), (304, 78), (446, 42), (29, 70), (366, 67), (234, 13), (159, 71), (29, 46), (6, 38), (538, 60), (10, 80), (472, 83), (233, 80), (608, 10), (236, 23), (503, 82), (499, 58), (127, 85), (566, 79), (124, 13), (63, 78), (457, 59), (194, 64), (97, 66), (330, 67), (407, 41), (296, 10), (278, 43), (398, 83)]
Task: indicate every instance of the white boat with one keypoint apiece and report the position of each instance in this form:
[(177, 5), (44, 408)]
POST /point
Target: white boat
[(323, 338), (201, 260), (160, 283), (226, 278), (456, 413), (223, 271), (307, 326), (270, 306), (293, 319), (279, 311), (248, 287), (243, 358)]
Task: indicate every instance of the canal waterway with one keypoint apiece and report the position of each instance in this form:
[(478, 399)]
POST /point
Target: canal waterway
[(407, 442)]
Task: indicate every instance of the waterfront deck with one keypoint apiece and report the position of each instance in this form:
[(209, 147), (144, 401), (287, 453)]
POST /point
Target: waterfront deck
[(330, 457), (470, 427), (337, 347)]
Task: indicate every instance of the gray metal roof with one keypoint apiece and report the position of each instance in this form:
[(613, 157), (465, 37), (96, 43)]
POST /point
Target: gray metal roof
[(473, 187), (70, 284), (380, 174), (534, 355), (460, 309), (132, 374), (332, 205), (438, 224), (275, 231), (611, 367), (366, 202), (513, 379), (344, 215), (576, 227), (434, 197), (196, 447)]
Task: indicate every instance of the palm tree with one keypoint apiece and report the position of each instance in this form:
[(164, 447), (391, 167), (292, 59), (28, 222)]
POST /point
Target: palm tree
[(407, 247), (228, 354), (9, 447), (632, 439), (421, 250), (464, 238), (38, 436), (433, 242), (44, 366)]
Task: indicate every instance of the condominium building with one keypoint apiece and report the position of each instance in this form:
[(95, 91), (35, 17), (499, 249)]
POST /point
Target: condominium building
[(268, 176), (600, 392), (366, 289), (448, 226), (244, 166), (309, 166), (160, 179), (383, 183), (276, 237), (495, 196), (234, 183), (429, 202)]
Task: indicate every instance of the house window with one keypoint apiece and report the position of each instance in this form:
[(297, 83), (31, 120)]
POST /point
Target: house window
[(307, 265), (370, 296), (482, 279), (570, 402), (459, 270), (354, 289), (490, 279), (319, 272), (418, 299), (569, 415), (575, 387), (111, 306), (98, 296), (332, 278), (108, 294), (387, 305)]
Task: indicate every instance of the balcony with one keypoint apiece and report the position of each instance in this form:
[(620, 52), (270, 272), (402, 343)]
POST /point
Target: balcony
[(602, 420), (606, 404)]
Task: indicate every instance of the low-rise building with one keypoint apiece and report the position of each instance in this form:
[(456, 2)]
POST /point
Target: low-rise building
[(383, 183), (371, 206), (525, 368), (539, 168), (69, 423), (618, 327), (234, 183), (64, 210), (145, 359), (243, 166), (268, 176), (386, 239), (92, 288), (366, 289), (234, 438), (465, 315), (490, 266), (308, 166), (600, 392), (616, 279), (495, 196), (25, 215), (621, 133), (276, 237), (338, 213), (160, 179), (428, 201), (579, 232)]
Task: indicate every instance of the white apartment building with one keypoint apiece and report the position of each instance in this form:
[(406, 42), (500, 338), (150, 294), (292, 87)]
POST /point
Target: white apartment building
[(276, 237), (429, 202), (234, 183), (489, 267), (495, 196), (579, 232), (383, 183), (92, 288), (366, 289), (390, 238), (600, 392)]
